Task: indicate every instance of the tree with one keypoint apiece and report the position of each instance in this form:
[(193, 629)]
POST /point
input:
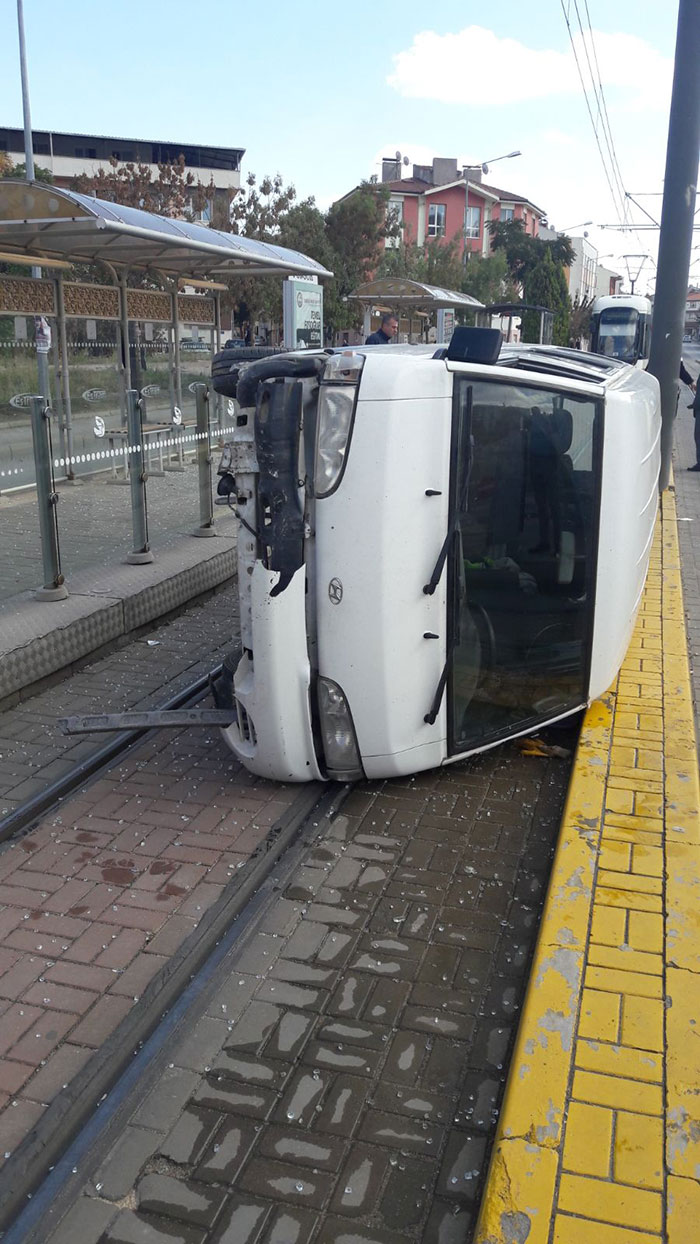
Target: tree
[(174, 192), (19, 171), (523, 252), (580, 319), (545, 286)]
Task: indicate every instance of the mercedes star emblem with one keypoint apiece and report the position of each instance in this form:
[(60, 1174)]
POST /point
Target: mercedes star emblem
[(335, 591)]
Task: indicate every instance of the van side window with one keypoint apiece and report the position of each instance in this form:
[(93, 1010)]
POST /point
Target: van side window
[(522, 571)]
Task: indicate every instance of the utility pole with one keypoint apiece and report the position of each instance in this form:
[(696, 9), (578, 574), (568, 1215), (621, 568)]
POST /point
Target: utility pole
[(42, 356), (676, 224)]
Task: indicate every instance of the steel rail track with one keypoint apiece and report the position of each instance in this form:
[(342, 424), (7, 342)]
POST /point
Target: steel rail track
[(27, 813)]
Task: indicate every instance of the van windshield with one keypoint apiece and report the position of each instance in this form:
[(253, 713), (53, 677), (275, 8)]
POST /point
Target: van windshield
[(520, 587)]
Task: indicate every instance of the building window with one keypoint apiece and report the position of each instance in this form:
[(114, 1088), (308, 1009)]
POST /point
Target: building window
[(436, 220), (472, 222), (507, 214)]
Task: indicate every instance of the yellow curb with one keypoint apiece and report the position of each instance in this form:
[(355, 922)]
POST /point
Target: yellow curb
[(586, 1057)]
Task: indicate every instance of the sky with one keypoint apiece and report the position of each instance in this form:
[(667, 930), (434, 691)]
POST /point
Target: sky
[(320, 92)]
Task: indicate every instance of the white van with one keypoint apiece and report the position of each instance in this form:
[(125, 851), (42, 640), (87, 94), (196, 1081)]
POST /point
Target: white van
[(440, 549)]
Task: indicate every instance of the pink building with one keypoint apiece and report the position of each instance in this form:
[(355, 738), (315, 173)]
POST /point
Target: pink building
[(440, 201)]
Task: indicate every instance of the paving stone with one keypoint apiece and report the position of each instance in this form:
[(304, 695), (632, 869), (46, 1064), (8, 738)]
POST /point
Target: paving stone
[(224, 1094), (450, 1224), (342, 1106), (479, 1102), (408, 1193), (339, 1231), (290, 1035), (302, 1096), (288, 1144), (414, 1101), (85, 1222), (337, 1057), (462, 1166), (186, 1141), (242, 1222), (290, 1226), (122, 1166), (361, 1180), (226, 1152), (202, 1043), (180, 1199), (286, 1182), (400, 1133), (163, 1105), (132, 1228), (254, 1026), (234, 1066)]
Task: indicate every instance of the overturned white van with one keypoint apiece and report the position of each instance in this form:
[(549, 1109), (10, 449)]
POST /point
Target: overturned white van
[(439, 549)]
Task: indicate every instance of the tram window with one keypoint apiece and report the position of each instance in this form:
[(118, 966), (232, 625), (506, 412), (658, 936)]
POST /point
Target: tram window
[(523, 497)]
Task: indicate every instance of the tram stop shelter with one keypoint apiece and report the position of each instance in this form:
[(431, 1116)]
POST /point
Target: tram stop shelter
[(41, 225), (412, 299), (506, 312)]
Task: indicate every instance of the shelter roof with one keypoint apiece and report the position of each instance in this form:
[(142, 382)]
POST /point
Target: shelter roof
[(40, 220), (401, 292)]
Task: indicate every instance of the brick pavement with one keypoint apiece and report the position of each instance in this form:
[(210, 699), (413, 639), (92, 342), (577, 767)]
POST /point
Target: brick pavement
[(95, 900), (344, 1081), (141, 673), (687, 489)]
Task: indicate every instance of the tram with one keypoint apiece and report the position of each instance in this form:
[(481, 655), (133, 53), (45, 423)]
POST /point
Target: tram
[(439, 549), (621, 327)]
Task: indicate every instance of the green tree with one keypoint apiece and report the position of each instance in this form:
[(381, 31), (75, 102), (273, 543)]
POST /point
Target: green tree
[(19, 171), (523, 252), (545, 286)]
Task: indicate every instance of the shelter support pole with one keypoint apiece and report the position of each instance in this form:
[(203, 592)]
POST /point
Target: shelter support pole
[(677, 213), (65, 379), (206, 501), (217, 347), (47, 499), (141, 552), (176, 345), (124, 328)]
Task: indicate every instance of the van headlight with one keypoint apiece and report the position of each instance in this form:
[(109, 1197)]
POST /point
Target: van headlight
[(337, 732), (336, 407)]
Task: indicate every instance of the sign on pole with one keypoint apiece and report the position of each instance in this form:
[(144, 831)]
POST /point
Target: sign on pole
[(302, 306)]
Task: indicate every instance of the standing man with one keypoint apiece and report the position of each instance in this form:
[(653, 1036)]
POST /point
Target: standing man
[(686, 378), (386, 331)]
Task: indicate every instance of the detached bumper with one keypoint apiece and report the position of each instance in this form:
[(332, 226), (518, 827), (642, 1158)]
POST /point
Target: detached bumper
[(273, 736)]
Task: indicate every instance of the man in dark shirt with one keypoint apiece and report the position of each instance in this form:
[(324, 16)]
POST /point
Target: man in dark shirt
[(686, 378), (386, 331)]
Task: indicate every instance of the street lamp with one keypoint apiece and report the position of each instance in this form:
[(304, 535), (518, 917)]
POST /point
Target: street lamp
[(581, 225), (511, 156)]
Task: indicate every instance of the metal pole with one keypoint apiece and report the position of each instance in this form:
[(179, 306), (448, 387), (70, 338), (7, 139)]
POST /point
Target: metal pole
[(217, 350), (176, 345), (54, 586), (676, 224), (206, 501), (42, 361), (124, 330), (65, 378), (137, 479)]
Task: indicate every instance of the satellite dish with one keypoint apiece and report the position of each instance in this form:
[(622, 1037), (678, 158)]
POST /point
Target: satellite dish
[(405, 160), (397, 157)]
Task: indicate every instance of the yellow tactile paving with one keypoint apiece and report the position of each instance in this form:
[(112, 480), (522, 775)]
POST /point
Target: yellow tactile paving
[(599, 1138)]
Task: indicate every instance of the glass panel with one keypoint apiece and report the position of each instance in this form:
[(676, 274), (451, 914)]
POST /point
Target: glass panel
[(520, 594), (618, 333)]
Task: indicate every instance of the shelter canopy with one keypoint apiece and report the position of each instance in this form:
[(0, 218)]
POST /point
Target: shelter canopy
[(402, 292), (42, 221)]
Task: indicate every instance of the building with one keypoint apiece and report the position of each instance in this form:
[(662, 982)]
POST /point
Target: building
[(441, 201), (68, 155), (691, 327), (582, 276)]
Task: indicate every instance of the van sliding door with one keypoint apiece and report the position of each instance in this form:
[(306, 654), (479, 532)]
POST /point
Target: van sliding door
[(520, 598)]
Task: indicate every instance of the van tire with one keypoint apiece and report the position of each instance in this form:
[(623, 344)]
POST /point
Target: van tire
[(226, 365)]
